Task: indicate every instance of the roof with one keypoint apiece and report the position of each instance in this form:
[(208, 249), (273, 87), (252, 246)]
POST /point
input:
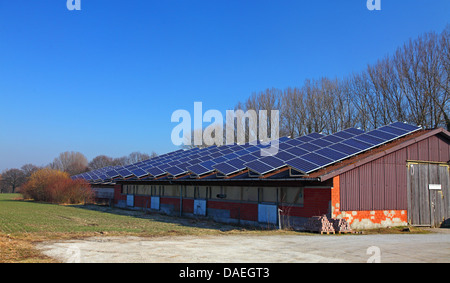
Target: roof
[(361, 159), (307, 158)]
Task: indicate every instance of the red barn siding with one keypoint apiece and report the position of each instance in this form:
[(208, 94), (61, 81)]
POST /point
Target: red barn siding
[(382, 183), (316, 202), (243, 211)]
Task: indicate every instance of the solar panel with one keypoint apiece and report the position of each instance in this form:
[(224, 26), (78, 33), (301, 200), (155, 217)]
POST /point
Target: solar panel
[(272, 161), (216, 154), (369, 139), (208, 164), (103, 177), (164, 166), (332, 138), (259, 167), (305, 154), (354, 131), (205, 157), (315, 135), (332, 154), (284, 155), (184, 166), (138, 172), (225, 168), (193, 161), (294, 142), (175, 171), (242, 152), (357, 144), (237, 163), (248, 157), (317, 159), (393, 130), (284, 146), (199, 169), (304, 139), (125, 173), (309, 147), (322, 143), (297, 151), (220, 159), (156, 171), (302, 165), (231, 156), (349, 150), (344, 135), (226, 151), (404, 126), (112, 174), (175, 162), (382, 135), (253, 149)]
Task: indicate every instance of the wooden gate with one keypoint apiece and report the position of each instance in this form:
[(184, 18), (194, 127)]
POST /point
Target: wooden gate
[(428, 194)]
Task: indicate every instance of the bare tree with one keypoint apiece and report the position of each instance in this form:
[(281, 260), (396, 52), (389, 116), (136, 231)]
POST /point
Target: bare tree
[(445, 81), (29, 169), (70, 162), (100, 161), (412, 85), (136, 157), (292, 112), (11, 180)]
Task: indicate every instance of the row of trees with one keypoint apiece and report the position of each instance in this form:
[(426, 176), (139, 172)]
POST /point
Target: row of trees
[(411, 85), (68, 162)]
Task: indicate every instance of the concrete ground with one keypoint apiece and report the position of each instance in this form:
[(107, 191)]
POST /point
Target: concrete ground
[(428, 248)]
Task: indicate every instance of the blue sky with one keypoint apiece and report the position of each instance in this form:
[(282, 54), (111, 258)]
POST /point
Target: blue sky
[(106, 79)]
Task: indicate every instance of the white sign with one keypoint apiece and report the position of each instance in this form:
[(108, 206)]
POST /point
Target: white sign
[(434, 186)]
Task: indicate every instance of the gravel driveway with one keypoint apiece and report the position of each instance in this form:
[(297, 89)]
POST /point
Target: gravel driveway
[(300, 248)]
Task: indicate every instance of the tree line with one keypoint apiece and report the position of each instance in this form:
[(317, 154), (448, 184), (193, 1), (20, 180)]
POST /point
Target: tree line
[(412, 85), (69, 162)]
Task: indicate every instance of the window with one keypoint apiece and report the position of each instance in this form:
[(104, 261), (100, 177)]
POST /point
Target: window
[(292, 195)]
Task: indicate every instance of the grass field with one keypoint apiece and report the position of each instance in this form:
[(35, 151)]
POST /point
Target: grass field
[(23, 223), (19, 217)]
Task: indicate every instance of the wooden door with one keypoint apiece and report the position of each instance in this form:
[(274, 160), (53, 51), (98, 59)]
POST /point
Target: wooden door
[(428, 194)]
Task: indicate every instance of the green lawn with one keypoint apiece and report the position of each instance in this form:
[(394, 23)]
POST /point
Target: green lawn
[(18, 217)]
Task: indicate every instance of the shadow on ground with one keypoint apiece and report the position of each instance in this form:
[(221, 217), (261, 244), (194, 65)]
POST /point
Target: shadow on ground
[(197, 222)]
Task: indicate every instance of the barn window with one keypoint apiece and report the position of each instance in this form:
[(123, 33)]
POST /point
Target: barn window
[(292, 195), (201, 192)]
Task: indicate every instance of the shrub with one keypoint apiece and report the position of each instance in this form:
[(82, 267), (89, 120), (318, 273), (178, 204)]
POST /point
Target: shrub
[(56, 187)]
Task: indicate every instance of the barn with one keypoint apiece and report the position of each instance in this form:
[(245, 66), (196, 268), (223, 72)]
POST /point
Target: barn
[(395, 175)]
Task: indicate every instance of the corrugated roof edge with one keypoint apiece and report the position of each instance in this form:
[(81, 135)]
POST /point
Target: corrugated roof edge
[(366, 157)]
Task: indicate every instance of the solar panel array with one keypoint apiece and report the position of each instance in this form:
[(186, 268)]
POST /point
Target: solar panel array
[(304, 154)]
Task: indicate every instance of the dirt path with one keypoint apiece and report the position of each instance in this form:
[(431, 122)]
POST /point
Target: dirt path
[(255, 249)]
